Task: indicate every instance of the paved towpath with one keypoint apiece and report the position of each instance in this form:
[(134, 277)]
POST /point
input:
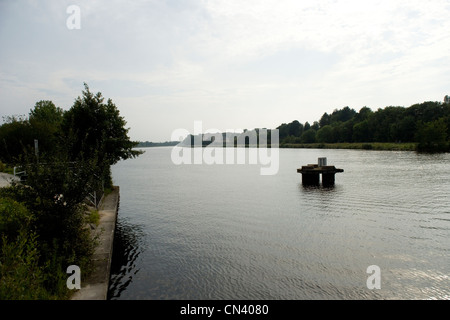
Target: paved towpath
[(5, 179), (96, 286)]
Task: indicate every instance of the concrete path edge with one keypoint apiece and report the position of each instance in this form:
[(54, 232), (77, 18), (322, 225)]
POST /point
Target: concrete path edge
[(95, 287)]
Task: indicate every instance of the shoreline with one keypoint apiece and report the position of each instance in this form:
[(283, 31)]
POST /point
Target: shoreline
[(377, 146), (96, 285)]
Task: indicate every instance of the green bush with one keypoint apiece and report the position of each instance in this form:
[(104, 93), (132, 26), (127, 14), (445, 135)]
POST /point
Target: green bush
[(43, 222), (52, 194), (14, 217), (21, 277), (432, 136), (94, 217)]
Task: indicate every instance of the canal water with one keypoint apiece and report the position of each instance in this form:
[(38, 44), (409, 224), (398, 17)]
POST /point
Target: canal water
[(228, 232)]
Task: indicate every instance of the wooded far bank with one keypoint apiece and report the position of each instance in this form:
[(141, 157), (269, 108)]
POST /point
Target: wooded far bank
[(422, 127)]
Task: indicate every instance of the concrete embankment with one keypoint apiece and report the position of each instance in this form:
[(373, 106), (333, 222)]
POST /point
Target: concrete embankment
[(95, 287)]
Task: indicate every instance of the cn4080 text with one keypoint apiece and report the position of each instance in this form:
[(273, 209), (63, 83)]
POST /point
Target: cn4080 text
[(246, 309)]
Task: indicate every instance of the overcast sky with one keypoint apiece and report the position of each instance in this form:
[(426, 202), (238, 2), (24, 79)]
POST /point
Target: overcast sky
[(230, 64)]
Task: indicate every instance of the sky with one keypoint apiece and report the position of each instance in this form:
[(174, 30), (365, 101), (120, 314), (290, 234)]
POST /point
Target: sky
[(235, 64)]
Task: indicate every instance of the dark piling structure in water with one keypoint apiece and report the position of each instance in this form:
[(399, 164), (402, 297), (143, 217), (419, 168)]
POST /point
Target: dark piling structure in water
[(311, 173)]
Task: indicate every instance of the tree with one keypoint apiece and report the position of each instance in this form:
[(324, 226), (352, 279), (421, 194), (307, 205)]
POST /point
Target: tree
[(45, 121), (325, 120), (54, 192), (308, 136), (306, 127), (418, 123), (15, 135), (342, 115), (46, 111), (315, 125), (404, 129), (325, 134), (283, 131), (295, 128), (95, 130), (79, 146), (363, 114), (361, 132), (432, 136), (19, 132)]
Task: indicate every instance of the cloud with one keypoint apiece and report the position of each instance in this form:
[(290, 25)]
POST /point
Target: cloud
[(228, 63)]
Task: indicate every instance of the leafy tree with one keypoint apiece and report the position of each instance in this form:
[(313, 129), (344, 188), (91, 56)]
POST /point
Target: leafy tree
[(19, 133), (295, 128), (342, 115), (46, 111), (427, 111), (325, 120), (381, 123), (419, 123), (21, 276), (42, 222), (308, 136), (347, 131), (283, 131), (432, 136), (315, 126), (54, 192), (447, 123), (14, 217), (404, 129), (361, 132), (15, 135), (95, 130), (363, 114), (45, 121), (325, 134), (306, 127)]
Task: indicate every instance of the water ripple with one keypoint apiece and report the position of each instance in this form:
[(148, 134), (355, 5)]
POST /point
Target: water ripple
[(225, 232)]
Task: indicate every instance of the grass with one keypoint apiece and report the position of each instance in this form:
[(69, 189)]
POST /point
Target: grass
[(355, 145), (107, 191), (5, 168), (93, 214), (94, 217)]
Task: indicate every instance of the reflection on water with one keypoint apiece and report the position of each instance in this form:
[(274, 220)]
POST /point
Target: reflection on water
[(317, 188), (125, 252), (226, 232)]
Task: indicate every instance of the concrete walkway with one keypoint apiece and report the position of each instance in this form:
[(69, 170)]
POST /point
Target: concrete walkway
[(5, 179), (96, 286)]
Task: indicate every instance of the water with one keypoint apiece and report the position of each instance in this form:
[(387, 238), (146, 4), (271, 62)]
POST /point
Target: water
[(226, 232)]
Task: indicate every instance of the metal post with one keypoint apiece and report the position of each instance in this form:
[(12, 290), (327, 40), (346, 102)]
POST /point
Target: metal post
[(36, 149)]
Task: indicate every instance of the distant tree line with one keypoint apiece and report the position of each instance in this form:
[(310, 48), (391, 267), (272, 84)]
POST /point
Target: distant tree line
[(427, 124), (148, 144), (247, 138)]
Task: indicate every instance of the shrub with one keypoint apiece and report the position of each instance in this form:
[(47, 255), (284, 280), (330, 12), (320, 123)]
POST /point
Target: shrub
[(94, 217), (53, 193), (14, 217), (21, 277)]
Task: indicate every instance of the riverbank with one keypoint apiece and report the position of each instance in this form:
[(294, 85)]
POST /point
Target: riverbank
[(390, 146), (95, 287)]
